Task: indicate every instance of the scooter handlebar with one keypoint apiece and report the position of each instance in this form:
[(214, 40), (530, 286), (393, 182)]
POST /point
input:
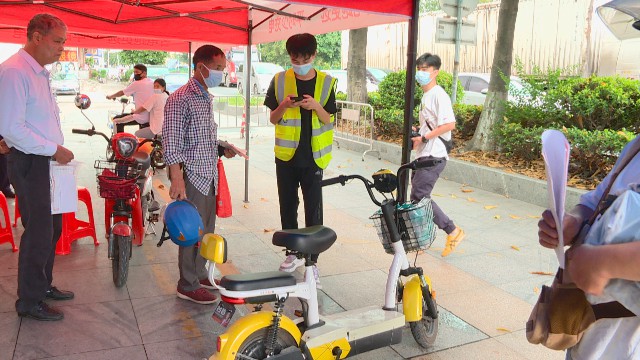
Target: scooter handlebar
[(81, 131)]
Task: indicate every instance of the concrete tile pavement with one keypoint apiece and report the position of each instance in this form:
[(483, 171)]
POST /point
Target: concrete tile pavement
[(484, 289)]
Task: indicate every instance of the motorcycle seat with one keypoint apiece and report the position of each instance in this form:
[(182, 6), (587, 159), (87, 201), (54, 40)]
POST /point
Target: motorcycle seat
[(310, 240), (257, 281)]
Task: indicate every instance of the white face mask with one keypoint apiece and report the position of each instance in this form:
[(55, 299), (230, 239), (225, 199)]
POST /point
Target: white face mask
[(214, 79), (158, 91)]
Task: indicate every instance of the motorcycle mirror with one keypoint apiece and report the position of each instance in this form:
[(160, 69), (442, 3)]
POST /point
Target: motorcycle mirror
[(82, 101), (124, 100)]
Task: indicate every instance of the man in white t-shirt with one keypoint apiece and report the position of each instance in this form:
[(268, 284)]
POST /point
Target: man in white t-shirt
[(141, 89), (436, 122)]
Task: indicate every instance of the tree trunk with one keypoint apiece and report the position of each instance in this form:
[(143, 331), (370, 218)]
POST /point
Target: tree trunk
[(357, 66), (497, 96), (587, 62)]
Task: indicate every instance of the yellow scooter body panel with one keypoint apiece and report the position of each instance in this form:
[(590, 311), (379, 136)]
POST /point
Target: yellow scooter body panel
[(412, 298), (214, 248), (231, 340), (325, 351)]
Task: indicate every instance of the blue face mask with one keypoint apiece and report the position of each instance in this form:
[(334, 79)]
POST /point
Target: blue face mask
[(214, 79), (423, 77), (302, 70)]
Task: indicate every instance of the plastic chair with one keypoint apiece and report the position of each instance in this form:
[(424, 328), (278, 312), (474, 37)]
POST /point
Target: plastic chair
[(16, 211), (74, 229), (6, 235)]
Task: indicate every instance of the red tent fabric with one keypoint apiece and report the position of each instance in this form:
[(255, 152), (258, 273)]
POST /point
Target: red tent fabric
[(171, 24)]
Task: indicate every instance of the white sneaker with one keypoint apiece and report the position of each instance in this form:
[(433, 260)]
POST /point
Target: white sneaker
[(291, 263)]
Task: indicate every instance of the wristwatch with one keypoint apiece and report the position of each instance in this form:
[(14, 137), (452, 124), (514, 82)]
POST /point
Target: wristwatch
[(424, 139)]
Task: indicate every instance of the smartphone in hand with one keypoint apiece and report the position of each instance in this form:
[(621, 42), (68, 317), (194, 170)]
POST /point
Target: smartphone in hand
[(296, 98)]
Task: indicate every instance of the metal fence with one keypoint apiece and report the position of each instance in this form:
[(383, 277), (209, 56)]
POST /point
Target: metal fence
[(355, 123), (229, 111)]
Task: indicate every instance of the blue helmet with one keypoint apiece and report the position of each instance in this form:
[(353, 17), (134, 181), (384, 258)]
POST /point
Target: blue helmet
[(183, 223)]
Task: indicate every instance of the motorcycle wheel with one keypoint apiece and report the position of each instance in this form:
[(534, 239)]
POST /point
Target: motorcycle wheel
[(157, 158), (254, 346), (425, 331), (120, 262), (109, 153)]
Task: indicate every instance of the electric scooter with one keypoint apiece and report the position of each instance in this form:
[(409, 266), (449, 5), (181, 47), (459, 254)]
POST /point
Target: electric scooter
[(270, 334), (125, 183)]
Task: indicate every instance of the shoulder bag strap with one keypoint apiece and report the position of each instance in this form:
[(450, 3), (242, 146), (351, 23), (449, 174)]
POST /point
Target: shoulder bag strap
[(439, 137)]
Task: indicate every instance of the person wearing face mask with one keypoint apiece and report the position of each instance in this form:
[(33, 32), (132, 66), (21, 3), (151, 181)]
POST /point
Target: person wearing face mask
[(141, 89), (155, 107), (303, 103), (191, 149), (436, 122)]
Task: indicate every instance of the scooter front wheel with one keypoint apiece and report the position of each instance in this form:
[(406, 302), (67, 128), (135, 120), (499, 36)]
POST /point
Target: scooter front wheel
[(120, 262), (425, 330), (254, 347)]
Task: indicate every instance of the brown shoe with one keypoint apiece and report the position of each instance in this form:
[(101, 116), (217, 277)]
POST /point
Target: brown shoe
[(453, 240), (198, 296)]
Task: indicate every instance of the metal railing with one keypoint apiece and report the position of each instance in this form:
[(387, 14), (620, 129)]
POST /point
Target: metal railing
[(355, 123), (229, 111)]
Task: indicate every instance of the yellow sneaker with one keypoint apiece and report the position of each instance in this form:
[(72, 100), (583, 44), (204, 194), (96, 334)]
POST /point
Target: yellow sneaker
[(453, 240)]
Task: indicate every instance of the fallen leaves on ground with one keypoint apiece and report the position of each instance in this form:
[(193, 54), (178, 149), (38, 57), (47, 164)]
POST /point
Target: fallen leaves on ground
[(497, 217), (515, 217), (489, 207), (536, 290), (503, 329), (246, 206), (542, 273), (466, 190), (472, 200), (263, 199), (268, 230), (515, 247)]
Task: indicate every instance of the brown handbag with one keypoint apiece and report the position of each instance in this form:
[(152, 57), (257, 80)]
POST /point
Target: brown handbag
[(562, 313)]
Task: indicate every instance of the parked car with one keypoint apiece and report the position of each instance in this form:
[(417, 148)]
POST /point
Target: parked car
[(175, 80), (341, 85), (476, 86), (65, 83), (260, 76), (377, 74)]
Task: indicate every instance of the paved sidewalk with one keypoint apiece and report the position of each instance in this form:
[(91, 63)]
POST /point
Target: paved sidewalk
[(484, 289)]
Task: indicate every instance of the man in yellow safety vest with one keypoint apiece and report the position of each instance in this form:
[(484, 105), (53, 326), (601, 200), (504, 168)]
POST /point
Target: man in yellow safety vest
[(303, 103)]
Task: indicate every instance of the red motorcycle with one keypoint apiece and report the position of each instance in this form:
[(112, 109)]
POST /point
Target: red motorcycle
[(125, 183)]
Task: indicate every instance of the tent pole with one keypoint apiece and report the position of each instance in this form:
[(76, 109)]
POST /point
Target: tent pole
[(190, 60), (410, 87), (247, 105)]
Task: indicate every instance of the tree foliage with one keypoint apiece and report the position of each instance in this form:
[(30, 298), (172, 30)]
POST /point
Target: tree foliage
[(329, 51), (132, 57)]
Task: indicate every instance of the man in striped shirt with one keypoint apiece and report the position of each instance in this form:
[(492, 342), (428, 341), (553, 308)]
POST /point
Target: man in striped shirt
[(190, 142)]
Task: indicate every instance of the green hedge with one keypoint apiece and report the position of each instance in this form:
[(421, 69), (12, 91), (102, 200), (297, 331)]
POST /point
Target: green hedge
[(593, 152)]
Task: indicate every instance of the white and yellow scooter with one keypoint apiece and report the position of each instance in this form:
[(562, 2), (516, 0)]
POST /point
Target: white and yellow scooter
[(270, 334)]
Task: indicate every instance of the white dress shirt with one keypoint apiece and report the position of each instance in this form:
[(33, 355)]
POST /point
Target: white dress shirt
[(29, 114)]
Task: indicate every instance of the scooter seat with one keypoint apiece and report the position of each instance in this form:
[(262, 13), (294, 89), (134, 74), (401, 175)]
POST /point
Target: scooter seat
[(257, 281), (310, 240), (143, 160)]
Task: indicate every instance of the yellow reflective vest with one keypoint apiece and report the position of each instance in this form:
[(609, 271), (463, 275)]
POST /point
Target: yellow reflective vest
[(289, 127)]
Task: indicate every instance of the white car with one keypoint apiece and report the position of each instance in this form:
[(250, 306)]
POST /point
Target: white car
[(260, 76), (341, 77), (476, 86), (65, 83)]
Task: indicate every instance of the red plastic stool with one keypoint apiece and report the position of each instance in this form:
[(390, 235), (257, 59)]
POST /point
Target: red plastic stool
[(16, 211), (5, 231), (74, 229)]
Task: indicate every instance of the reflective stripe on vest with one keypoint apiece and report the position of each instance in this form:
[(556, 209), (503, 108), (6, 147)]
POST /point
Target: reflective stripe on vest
[(288, 129)]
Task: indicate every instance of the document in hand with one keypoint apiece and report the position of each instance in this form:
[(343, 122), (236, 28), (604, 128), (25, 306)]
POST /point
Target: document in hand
[(555, 151), (64, 193), (235, 149)]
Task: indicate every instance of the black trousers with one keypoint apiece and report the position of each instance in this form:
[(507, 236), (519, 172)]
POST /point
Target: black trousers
[(29, 175), (120, 127), (290, 178), (4, 177)]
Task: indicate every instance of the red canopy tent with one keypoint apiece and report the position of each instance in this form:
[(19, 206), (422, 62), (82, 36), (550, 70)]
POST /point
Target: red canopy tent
[(174, 25)]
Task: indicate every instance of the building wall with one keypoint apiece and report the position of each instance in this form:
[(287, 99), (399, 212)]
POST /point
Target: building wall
[(549, 34)]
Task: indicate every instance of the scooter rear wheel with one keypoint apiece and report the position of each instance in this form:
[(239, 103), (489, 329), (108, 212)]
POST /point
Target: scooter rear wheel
[(120, 262), (254, 346), (425, 330)]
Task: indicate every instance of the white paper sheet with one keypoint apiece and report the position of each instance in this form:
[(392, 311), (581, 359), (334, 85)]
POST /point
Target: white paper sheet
[(555, 151), (64, 192), (235, 149)]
